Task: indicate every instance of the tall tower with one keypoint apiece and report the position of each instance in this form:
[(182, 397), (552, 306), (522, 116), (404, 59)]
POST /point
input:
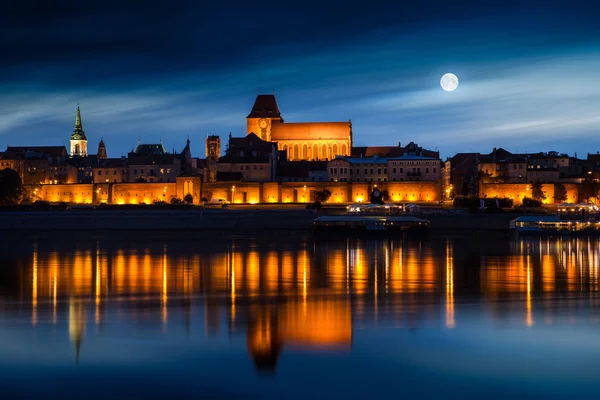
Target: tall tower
[(213, 152), (102, 150), (264, 112), (78, 139)]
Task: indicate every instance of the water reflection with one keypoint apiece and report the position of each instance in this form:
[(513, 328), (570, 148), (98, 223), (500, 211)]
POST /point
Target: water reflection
[(293, 293)]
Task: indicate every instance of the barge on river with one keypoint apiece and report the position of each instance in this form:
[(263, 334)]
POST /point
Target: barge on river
[(369, 224), (554, 225)]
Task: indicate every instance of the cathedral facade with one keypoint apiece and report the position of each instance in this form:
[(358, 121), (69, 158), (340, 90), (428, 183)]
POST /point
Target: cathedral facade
[(311, 141)]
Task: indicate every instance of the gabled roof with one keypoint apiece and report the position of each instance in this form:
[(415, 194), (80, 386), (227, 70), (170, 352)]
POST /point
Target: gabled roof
[(111, 163), (382, 151), (53, 151), (149, 149), (265, 106)]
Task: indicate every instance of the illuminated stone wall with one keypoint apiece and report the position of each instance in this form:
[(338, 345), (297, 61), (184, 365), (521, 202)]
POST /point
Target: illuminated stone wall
[(142, 193), (517, 191), (236, 192), (74, 193)]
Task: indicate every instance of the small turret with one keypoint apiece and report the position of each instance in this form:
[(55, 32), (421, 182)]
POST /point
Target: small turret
[(102, 150)]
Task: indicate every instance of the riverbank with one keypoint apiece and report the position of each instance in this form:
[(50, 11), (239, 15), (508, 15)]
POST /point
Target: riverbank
[(219, 220)]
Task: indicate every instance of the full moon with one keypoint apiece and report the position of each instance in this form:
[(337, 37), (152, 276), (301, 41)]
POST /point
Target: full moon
[(449, 82)]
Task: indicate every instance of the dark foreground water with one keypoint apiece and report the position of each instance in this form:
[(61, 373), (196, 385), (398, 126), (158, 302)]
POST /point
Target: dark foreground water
[(126, 316)]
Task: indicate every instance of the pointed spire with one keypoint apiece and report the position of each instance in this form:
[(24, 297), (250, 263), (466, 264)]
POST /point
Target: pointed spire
[(78, 125)]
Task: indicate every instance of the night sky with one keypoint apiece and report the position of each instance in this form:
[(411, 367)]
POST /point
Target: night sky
[(528, 71)]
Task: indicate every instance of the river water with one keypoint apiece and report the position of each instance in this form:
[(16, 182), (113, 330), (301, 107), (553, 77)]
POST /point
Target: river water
[(284, 316)]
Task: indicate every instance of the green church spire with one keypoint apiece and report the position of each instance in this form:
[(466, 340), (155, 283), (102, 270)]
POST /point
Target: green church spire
[(78, 133)]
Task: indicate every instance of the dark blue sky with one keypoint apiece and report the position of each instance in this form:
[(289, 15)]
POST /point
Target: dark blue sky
[(528, 71)]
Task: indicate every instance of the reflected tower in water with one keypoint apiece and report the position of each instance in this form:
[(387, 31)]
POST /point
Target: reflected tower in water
[(76, 325)]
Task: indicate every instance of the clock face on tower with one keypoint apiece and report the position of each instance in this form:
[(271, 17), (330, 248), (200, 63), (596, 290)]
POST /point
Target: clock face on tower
[(262, 123)]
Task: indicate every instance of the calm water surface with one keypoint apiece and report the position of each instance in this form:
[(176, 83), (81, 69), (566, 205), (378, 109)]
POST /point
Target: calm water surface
[(125, 316)]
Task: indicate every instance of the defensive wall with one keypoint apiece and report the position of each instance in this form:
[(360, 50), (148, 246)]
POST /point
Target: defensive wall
[(235, 192), (517, 191)]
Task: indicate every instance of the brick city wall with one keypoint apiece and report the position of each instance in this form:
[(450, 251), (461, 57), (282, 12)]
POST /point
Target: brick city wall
[(517, 191), (235, 192)]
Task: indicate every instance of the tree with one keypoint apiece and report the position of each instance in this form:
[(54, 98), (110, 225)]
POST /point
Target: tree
[(385, 195), (189, 199), (322, 195), (560, 193), (537, 191), (589, 188), (11, 187)]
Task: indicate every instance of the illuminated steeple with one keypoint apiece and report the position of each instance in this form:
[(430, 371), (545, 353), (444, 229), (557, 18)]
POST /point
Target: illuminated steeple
[(78, 139)]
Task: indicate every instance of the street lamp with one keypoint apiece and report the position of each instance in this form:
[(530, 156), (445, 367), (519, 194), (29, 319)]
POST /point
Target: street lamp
[(304, 195), (232, 192)]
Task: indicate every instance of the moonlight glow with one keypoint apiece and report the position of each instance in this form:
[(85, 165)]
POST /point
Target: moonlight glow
[(449, 82)]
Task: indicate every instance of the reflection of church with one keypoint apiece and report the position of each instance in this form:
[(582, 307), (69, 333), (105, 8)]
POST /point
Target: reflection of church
[(301, 140), (319, 323)]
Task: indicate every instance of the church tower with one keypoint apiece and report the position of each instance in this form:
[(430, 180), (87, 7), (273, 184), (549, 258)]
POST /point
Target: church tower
[(102, 150), (213, 152), (78, 139), (264, 113)]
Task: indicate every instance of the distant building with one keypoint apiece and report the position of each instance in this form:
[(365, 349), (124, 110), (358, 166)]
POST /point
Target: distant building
[(390, 163), (504, 167), (461, 175), (251, 157), (110, 170), (40, 164)]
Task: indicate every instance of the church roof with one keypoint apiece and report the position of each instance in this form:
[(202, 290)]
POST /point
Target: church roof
[(265, 106), (311, 131), (149, 149), (78, 133), (53, 151)]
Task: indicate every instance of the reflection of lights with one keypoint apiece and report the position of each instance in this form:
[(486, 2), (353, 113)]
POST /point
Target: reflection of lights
[(450, 323), (34, 283)]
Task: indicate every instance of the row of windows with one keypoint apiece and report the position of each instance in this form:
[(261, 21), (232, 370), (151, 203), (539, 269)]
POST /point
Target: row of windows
[(370, 171), (151, 172), (372, 180), (248, 167)]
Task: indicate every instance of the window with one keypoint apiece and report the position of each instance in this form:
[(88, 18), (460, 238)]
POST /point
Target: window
[(115, 172), (331, 170), (255, 167), (393, 170), (241, 167), (350, 173), (142, 171), (434, 170), (378, 171), (162, 170), (385, 170), (261, 167), (365, 171), (401, 170), (426, 170), (168, 170), (371, 171), (99, 172), (247, 168)]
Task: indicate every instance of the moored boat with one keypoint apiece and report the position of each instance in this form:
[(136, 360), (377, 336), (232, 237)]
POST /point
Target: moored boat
[(369, 224), (554, 225)]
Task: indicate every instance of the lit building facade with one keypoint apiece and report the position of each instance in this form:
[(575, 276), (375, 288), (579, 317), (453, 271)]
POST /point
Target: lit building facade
[(301, 141)]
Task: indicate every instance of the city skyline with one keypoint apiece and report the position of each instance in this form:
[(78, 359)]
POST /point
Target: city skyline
[(526, 74)]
